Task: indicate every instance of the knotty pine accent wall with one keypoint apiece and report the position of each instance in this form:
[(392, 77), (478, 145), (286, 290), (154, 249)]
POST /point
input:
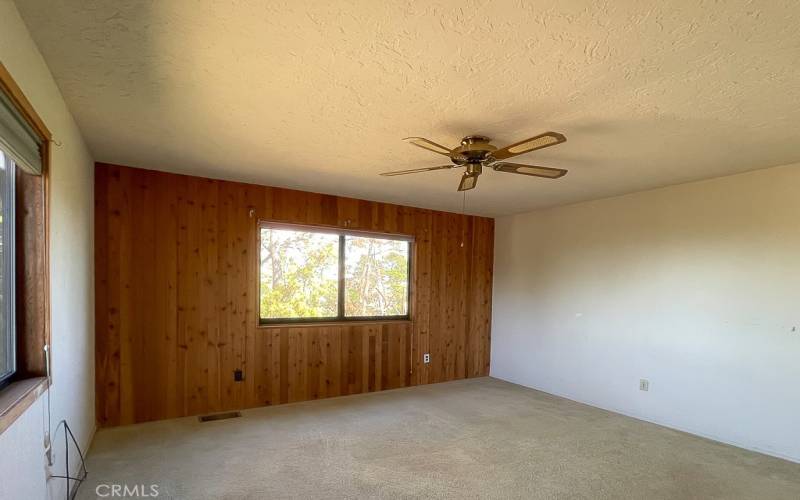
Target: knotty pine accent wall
[(177, 291)]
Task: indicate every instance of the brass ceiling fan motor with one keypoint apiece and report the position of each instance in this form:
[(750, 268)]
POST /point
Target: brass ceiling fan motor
[(476, 152)]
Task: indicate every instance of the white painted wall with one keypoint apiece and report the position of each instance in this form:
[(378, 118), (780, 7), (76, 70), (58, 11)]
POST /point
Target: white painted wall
[(695, 287), (23, 474)]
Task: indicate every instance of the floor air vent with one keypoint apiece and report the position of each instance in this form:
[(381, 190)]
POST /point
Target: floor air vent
[(219, 416)]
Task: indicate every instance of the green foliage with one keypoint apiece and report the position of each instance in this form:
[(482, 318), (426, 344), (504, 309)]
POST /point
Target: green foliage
[(299, 275), (376, 277)]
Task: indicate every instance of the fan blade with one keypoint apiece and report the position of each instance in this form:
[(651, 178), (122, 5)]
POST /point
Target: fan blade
[(424, 143), (415, 170), (519, 168), (468, 181), (540, 141)]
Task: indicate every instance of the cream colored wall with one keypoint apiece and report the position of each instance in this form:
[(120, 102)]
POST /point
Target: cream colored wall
[(695, 287), (22, 460)]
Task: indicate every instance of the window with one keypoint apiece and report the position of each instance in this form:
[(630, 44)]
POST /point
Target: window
[(7, 277), (310, 274), (24, 267)]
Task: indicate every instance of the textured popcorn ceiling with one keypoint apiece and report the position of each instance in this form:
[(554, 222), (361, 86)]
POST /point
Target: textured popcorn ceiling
[(317, 95)]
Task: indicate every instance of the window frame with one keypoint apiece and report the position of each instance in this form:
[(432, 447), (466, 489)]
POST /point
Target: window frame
[(32, 269), (342, 233)]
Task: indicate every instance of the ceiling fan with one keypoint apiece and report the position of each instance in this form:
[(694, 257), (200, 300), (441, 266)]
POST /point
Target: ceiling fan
[(476, 152)]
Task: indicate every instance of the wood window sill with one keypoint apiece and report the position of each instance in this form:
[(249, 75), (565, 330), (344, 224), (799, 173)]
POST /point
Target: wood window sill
[(18, 397), (333, 323)]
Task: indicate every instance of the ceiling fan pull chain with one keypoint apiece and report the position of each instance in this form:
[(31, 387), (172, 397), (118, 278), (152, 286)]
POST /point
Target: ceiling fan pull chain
[(463, 212)]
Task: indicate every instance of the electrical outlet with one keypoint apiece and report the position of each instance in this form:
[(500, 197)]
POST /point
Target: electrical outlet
[(426, 358), (644, 384)]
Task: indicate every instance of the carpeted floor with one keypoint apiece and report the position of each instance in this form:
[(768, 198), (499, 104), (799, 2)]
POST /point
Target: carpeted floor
[(478, 438)]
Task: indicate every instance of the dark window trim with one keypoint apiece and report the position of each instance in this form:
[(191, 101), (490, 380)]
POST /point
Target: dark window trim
[(316, 228), (341, 232)]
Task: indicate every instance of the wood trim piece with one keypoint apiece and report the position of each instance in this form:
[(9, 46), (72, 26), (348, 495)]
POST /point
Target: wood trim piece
[(31, 275), (312, 324), (18, 397)]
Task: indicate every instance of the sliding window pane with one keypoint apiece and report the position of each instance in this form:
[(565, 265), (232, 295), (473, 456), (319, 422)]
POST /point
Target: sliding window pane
[(7, 328), (376, 277), (299, 274)]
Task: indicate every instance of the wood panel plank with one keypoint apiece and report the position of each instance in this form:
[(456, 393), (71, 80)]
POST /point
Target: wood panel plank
[(421, 297), (165, 220), (298, 370), (126, 297), (142, 289)]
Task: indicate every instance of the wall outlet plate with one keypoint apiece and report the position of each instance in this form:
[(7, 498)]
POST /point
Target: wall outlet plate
[(426, 358), (644, 384)]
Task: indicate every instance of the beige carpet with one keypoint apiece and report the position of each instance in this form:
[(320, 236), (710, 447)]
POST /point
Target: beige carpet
[(479, 438)]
